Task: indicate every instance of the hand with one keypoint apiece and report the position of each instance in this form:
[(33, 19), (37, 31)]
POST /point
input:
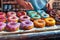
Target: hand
[(50, 4), (26, 5)]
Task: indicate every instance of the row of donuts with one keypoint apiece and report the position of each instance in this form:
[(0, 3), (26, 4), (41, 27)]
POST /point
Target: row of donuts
[(25, 22)]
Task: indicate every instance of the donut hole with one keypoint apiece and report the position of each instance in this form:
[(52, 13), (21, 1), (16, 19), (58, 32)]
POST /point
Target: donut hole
[(36, 15), (12, 13), (13, 24), (27, 22), (13, 17), (50, 20), (25, 17), (40, 21), (44, 14)]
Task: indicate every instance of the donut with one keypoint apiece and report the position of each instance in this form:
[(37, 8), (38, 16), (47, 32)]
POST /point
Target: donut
[(2, 19), (57, 20), (52, 13), (50, 21), (13, 26), (45, 15), (32, 13), (2, 26), (2, 14), (11, 14), (27, 25), (24, 18), (39, 23), (13, 19), (36, 17), (21, 13)]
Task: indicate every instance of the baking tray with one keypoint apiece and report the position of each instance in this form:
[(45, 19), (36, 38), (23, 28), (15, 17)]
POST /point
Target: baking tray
[(56, 27)]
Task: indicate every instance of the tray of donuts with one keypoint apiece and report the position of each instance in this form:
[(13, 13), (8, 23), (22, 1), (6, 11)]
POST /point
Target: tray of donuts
[(29, 21)]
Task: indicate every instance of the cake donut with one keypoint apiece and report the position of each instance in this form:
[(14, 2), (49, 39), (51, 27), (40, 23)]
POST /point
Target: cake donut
[(2, 26), (13, 26), (57, 20), (39, 23), (13, 19), (11, 14), (24, 18), (2, 14), (50, 21), (2, 19), (27, 25), (21, 13)]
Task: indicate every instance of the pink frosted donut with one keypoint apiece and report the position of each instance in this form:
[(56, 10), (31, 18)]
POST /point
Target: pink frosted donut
[(11, 14), (27, 25), (2, 14), (2, 26), (13, 19), (13, 26), (2, 19), (24, 18)]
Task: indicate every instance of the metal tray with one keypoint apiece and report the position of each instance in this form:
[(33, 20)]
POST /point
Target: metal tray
[(56, 27)]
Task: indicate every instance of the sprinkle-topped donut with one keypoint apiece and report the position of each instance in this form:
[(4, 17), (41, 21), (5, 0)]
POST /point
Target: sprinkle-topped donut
[(13, 19), (24, 18), (27, 25), (13, 26), (11, 14)]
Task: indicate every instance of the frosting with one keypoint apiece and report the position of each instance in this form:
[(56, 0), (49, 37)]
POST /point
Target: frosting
[(45, 15), (11, 13), (13, 18), (13, 25), (27, 23), (23, 18), (36, 17)]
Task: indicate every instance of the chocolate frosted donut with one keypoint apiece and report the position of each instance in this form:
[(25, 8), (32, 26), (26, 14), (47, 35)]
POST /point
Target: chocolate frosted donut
[(2, 26), (52, 13), (27, 25)]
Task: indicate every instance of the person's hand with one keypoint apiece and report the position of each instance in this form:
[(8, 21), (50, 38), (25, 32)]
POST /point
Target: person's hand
[(26, 5), (50, 4)]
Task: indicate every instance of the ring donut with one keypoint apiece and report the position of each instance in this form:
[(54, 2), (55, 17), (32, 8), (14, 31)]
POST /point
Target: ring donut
[(39, 23), (50, 21)]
